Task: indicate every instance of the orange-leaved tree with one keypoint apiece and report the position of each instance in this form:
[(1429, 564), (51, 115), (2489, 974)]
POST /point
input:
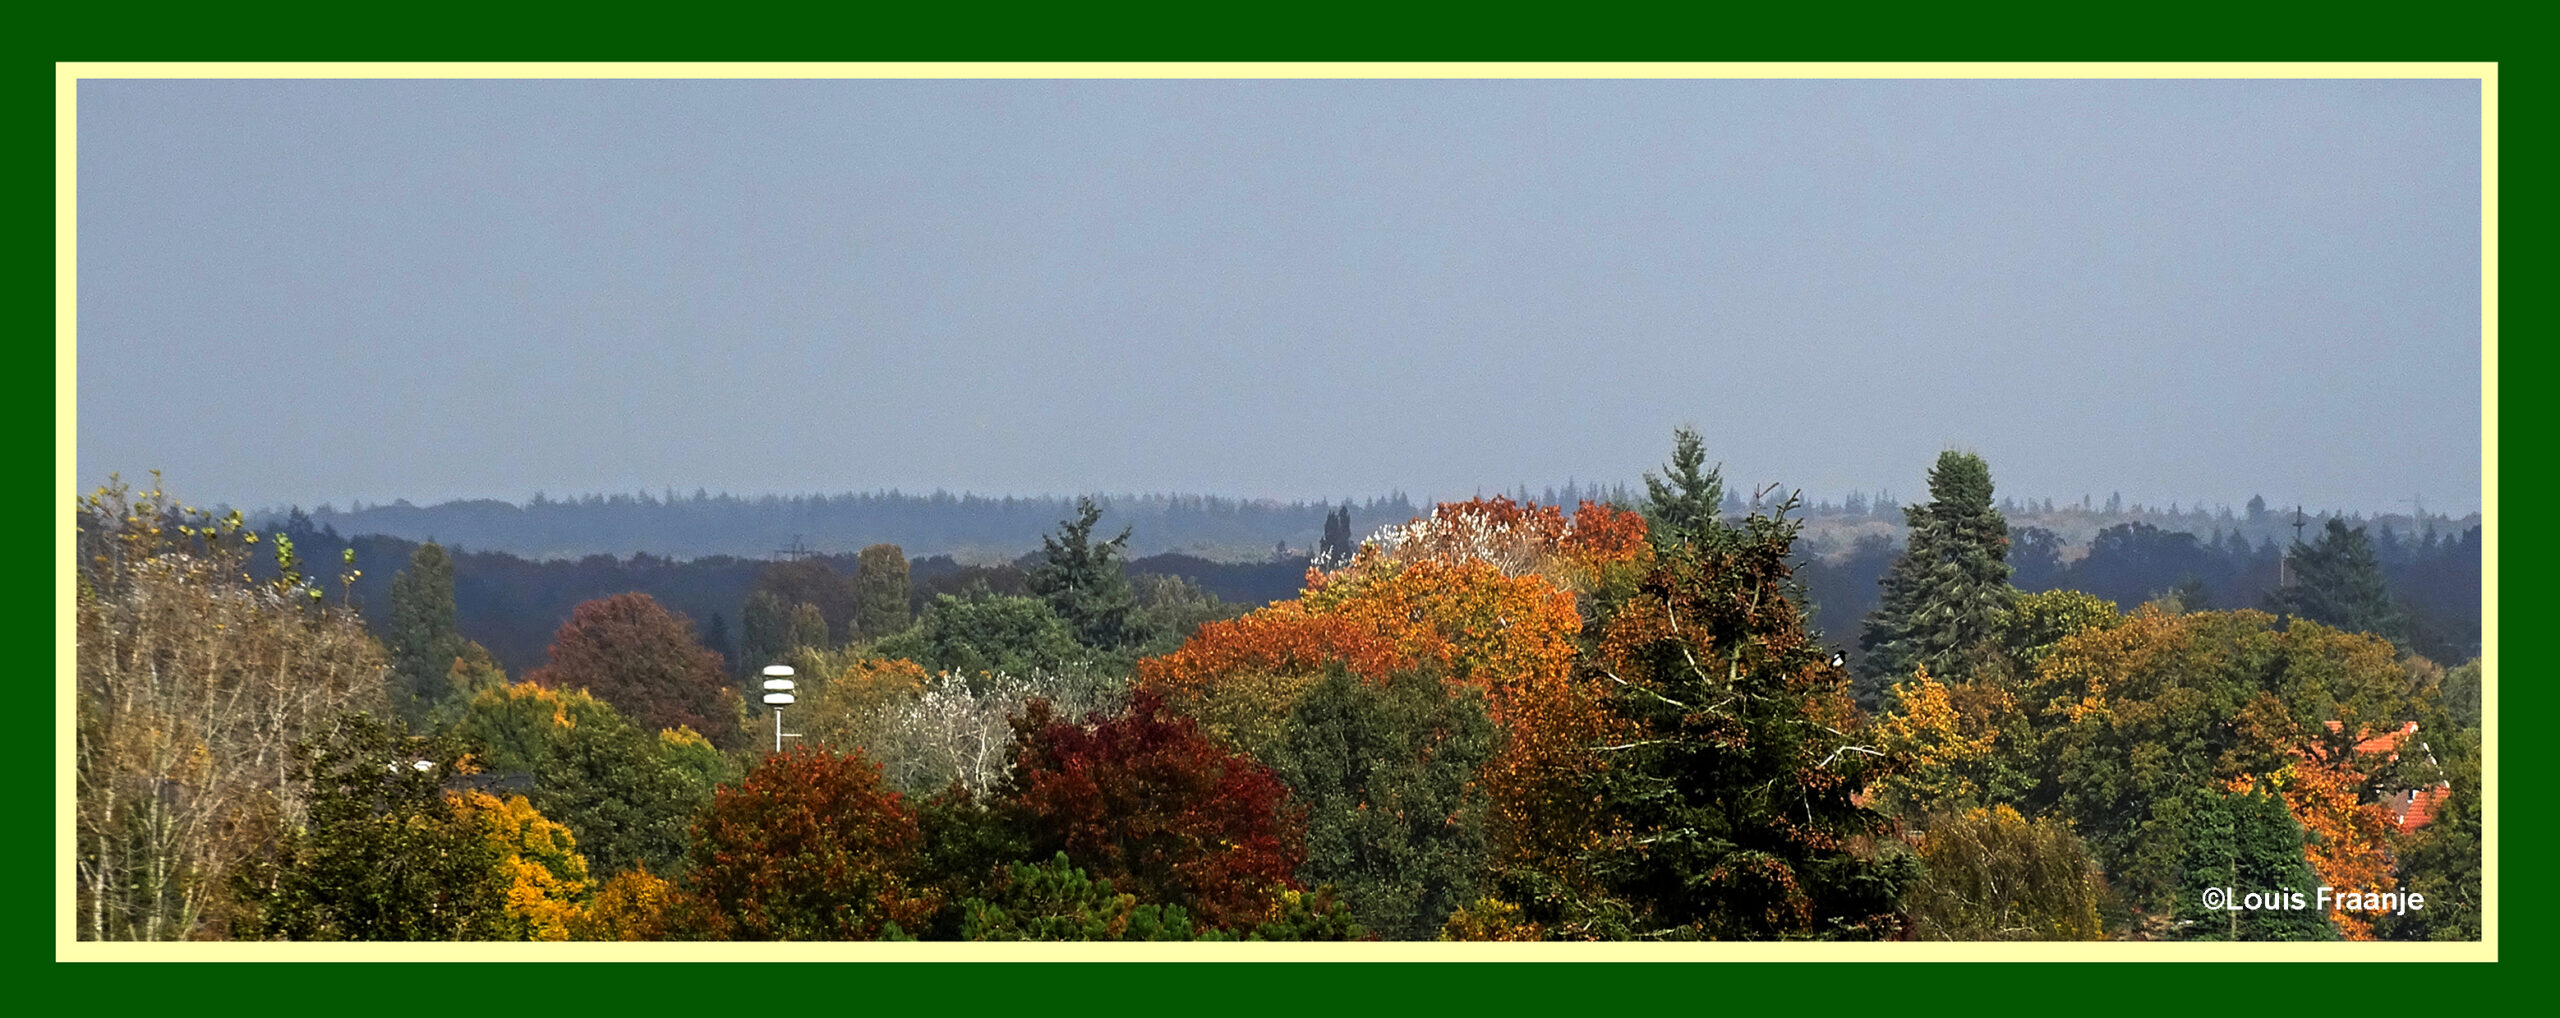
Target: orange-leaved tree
[(1483, 591)]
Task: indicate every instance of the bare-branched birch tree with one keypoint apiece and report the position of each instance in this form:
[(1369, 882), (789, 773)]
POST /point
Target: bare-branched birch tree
[(194, 682)]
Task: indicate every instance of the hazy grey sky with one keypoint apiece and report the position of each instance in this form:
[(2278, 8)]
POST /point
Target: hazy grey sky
[(309, 291)]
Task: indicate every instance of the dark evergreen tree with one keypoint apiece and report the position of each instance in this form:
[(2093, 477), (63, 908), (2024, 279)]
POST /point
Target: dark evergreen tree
[(1683, 505), (716, 637), (1949, 588), (2257, 508), (1739, 779), (1083, 581), (2240, 844), (424, 640), (1395, 814), (881, 591), (1336, 547), (765, 632), (2337, 581)]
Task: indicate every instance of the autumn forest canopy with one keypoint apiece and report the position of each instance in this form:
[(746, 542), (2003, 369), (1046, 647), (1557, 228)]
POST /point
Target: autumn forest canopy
[(1685, 711)]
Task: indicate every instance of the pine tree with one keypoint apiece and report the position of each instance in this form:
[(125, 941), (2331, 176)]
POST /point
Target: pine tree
[(2337, 582), (1684, 504), (1950, 586), (1083, 581), (716, 637), (424, 640), (764, 632), (1738, 784)]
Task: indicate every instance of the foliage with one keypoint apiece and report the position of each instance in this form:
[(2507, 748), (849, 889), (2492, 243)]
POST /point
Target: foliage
[(881, 591), (193, 683), (807, 627), (1514, 637), (383, 853), (633, 654), (987, 632), (1942, 751), (2036, 622), (1170, 609), (811, 846), (1312, 915), (1387, 773), (1491, 919), (1147, 801), (813, 581), (1056, 901), (631, 905), (624, 791), (1950, 588), (473, 673), (547, 883), (509, 728), (424, 642), (1083, 581), (2344, 840), (1579, 553), (1738, 784), (2141, 726), (1991, 874)]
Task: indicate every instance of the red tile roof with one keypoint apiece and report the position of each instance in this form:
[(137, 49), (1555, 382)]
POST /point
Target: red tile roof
[(2410, 808)]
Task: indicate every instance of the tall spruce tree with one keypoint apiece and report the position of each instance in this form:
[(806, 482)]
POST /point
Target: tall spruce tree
[(1683, 505), (2336, 581), (1949, 588), (1083, 580), (424, 640), (1739, 779)]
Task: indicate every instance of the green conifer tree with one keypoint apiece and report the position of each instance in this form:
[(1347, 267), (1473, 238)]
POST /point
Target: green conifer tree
[(1949, 589), (1083, 581), (2337, 581), (424, 640), (1683, 505)]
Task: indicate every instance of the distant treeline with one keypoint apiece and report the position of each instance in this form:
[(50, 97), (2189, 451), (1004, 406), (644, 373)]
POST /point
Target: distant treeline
[(2434, 576), (970, 527), (513, 604), (977, 528)]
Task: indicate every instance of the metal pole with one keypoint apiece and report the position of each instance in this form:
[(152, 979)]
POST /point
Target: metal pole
[(777, 729)]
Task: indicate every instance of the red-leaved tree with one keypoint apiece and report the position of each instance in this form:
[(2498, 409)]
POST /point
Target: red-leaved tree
[(1161, 810), (642, 659), (811, 846)]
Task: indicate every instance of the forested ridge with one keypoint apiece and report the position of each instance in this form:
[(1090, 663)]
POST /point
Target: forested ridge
[(1683, 712)]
